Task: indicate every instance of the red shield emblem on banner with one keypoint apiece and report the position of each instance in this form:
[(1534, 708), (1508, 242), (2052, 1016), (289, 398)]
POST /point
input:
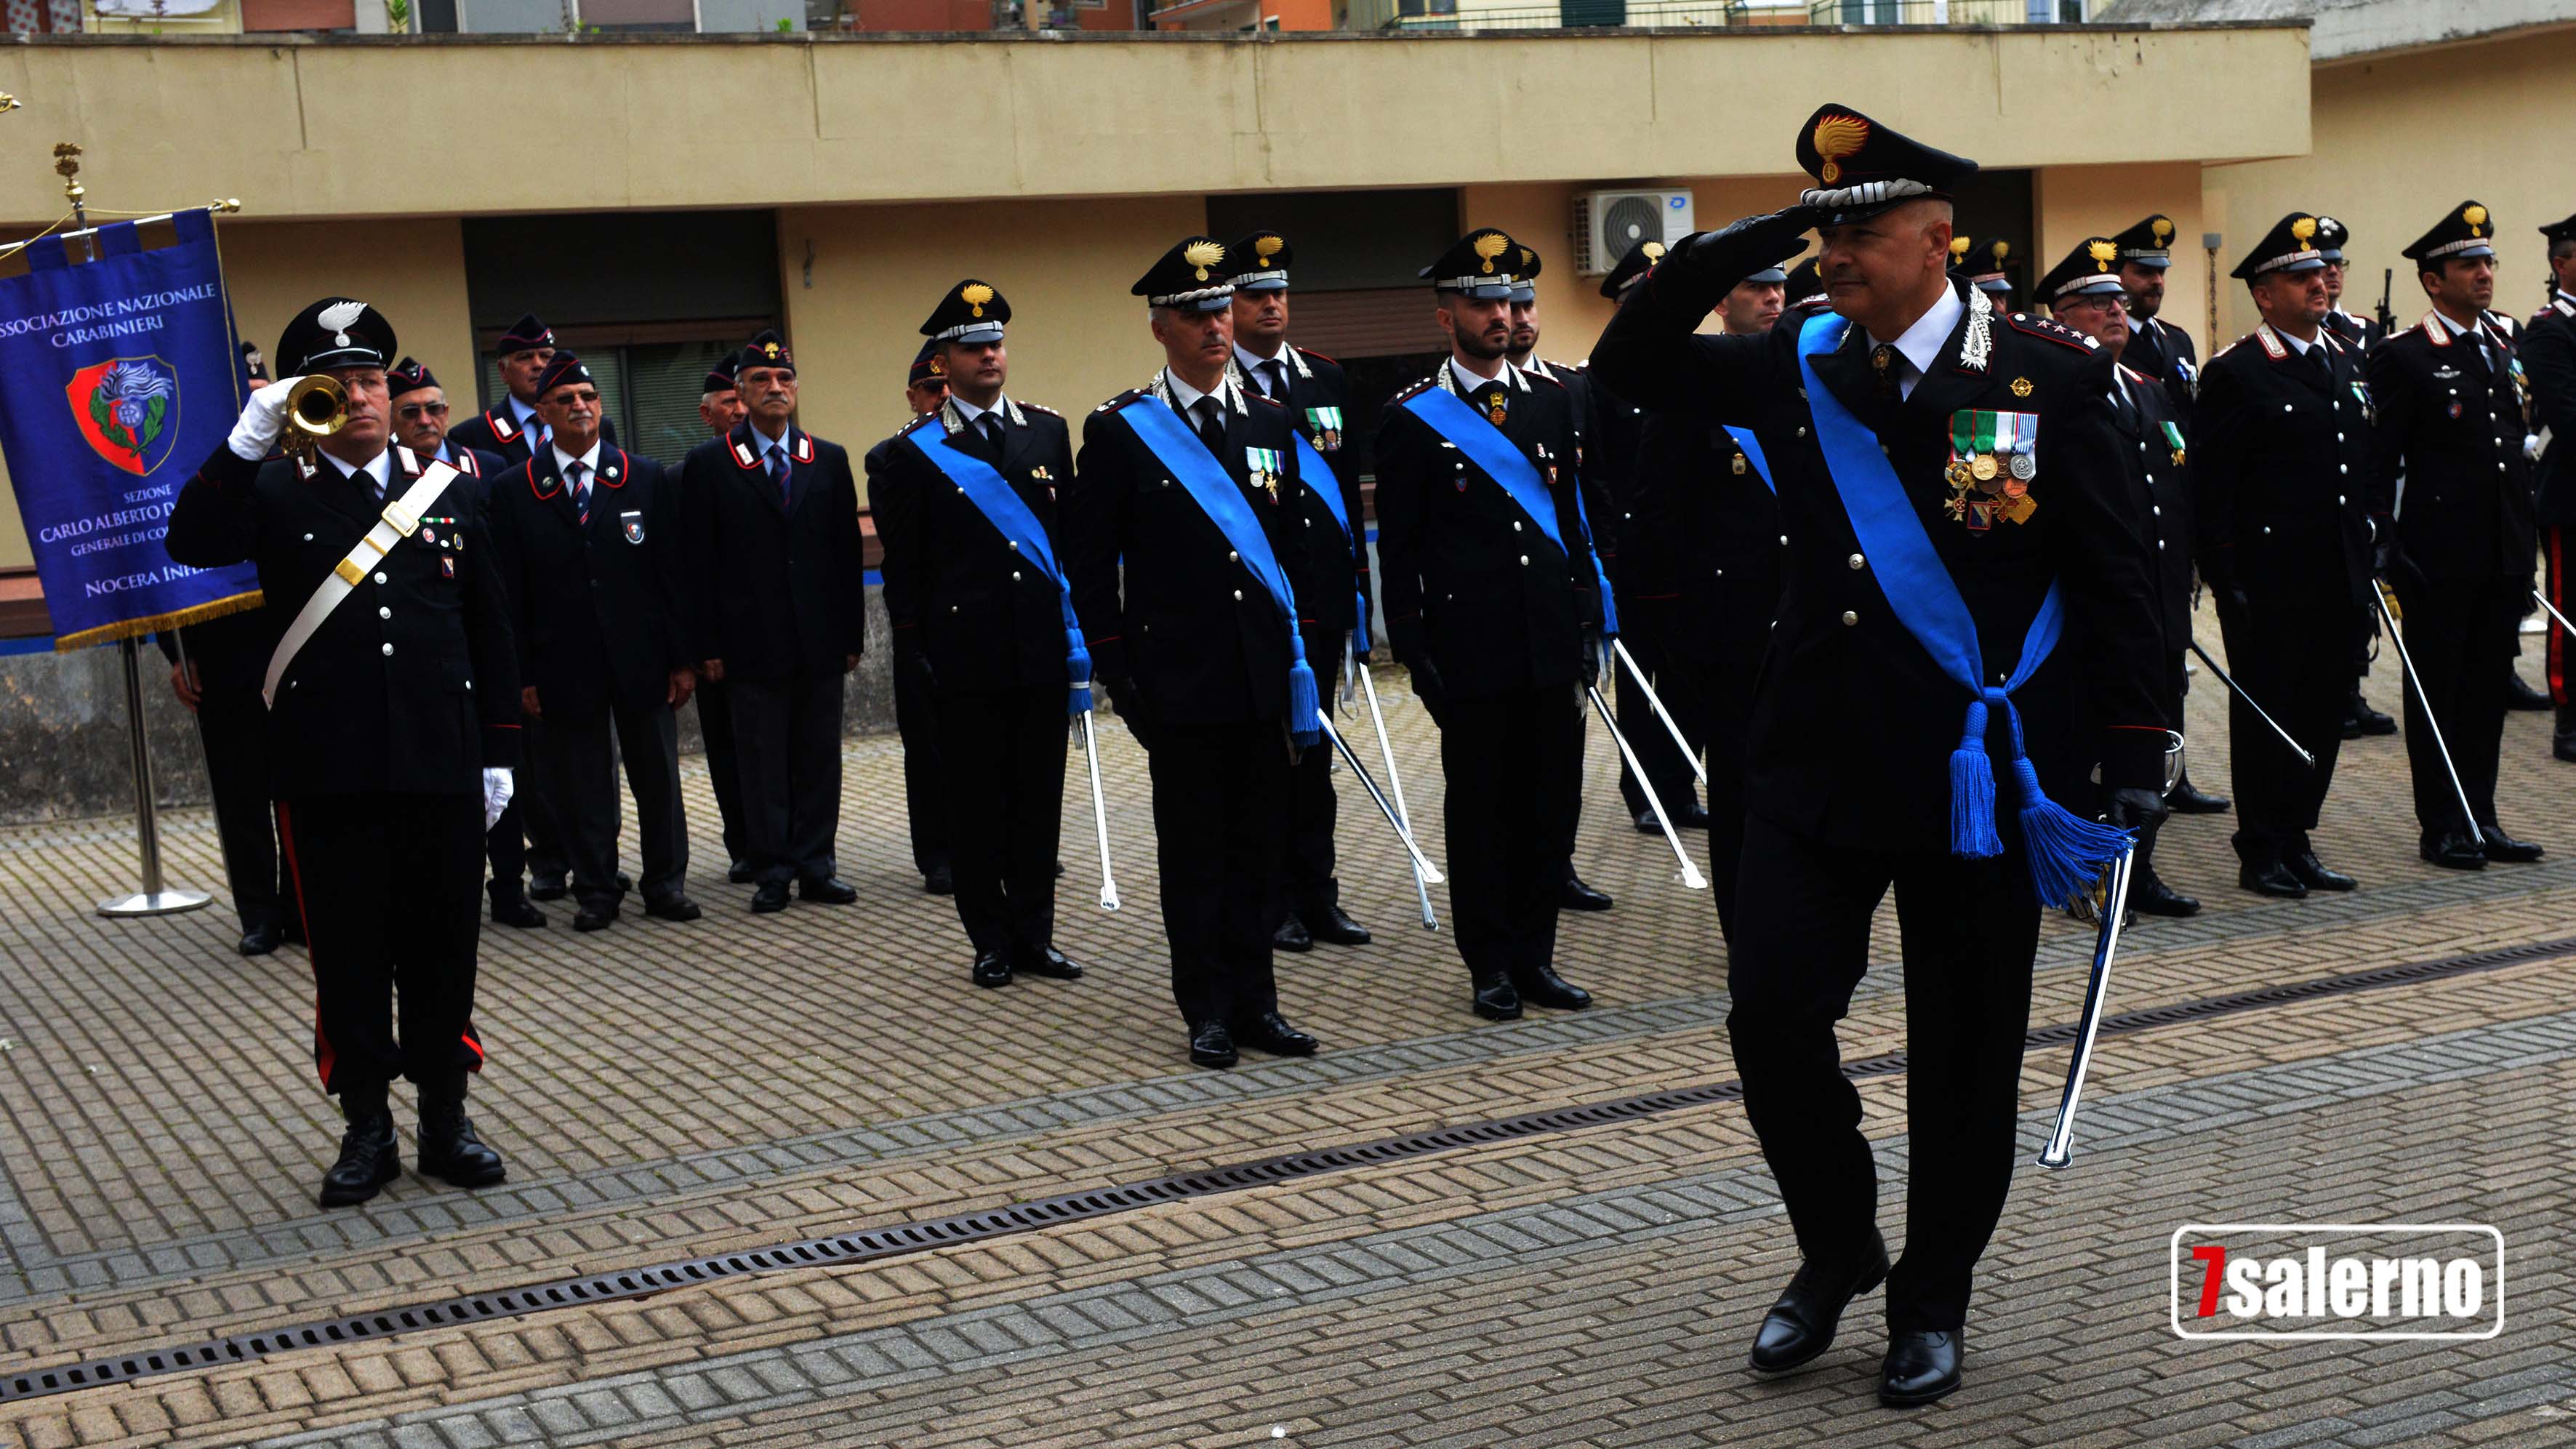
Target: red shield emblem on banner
[(128, 409)]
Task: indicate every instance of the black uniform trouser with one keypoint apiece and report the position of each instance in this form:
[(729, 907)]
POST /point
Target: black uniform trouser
[(715, 732), (1003, 755), (1513, 767), (1220, 812), (2365, 628), (1721, 679), (1646, 627), (387, 887), (1968, 930), (1308, 886), (2461, 635), (2285, 655), (528, 839), (581, 763), (788, 737), (926, 803), (233, 725)]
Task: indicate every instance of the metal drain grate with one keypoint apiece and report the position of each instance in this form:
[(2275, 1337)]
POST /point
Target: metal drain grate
[(877, 1243)]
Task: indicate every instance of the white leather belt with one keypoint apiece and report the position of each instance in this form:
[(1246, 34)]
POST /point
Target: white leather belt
[(401, 516)]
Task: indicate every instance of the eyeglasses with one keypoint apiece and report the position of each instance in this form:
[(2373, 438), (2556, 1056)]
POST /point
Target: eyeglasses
[(411, 411), (586, 395)]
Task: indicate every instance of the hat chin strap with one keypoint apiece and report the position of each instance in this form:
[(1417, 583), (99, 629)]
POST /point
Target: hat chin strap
[(1868, 193)]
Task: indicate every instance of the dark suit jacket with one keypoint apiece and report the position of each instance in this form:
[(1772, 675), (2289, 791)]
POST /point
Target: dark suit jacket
[(497, 432), (984, 616), (1316, 382), (779, 582), (596, 609), (412, 685), (2158, 472), (2549, 362), (2281, 474), (2451, 424)]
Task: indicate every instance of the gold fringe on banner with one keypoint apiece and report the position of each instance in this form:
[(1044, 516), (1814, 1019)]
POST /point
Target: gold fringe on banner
[(177, 619)]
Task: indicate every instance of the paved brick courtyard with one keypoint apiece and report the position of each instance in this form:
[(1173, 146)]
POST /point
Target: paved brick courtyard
[(666, 1092)]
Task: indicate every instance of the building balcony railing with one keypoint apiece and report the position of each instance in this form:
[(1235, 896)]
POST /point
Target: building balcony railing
[(1713, 14)]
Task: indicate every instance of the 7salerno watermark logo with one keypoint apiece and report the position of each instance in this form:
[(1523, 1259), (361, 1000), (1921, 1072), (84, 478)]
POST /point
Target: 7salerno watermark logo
[(2338, 1280)]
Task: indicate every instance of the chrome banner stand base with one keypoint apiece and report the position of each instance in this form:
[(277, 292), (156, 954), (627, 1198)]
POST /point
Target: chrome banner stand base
[(155, 899)]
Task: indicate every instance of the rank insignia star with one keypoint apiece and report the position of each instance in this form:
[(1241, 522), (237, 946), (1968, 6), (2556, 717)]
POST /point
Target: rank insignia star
[(2021, 387)]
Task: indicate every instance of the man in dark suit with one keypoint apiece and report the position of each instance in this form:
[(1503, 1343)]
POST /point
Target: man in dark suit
[(2280, 481), (781, 619), (2085, 292), (392, 728), (966, 500), (2450, 425), (2549, 362), (1947, 480), (215, 669), (589, 540), (916, 720), (511, 429), (1334, 534), (1193, 482), (1493, 602), (720, 408)]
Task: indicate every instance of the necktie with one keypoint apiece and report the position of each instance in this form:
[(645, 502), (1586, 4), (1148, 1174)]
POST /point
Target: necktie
[(375, 488), (2317, 355), (990, 427), (1885, 363), (1276, 384), (1211, 424), (2125, 405), (778, 471), (581, 490)]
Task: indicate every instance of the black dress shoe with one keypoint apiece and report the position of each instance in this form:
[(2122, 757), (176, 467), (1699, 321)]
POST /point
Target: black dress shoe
[(369, 1158), (2451, 850), (1693, 816), (1270, 1032), (992, 968), (595, 918), (1050, 963), (2271, 878), (2187, 798), (939, 880), (1291, 935), (2359, 715), (740, 873), (1801, 1324), (673, 908), (2519, 695), (625, 884), (2155, 898), (2313, 874), (549, 889), (518, 913), (1541, 986), (1331, 924), (259, 940), (1059, 870), (771, 896), (1922, 1365), (1211, 1045), (826, 890), (449, 1150), (2563, 747), (1647, 824), (1497, 999), (2501, 846), (1576, 896)]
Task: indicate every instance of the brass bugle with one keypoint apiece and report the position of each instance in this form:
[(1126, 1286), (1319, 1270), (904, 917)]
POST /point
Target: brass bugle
[(316, 407)]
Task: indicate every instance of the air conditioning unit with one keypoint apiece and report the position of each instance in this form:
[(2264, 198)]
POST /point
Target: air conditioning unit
[(1608, 224)]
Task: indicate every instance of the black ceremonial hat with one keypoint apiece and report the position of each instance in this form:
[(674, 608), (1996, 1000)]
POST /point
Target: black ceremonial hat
[(926, 365), (2465, 231), (2559, 231), (1806, 284), (526, 335), (2290, 246), (1525, 273), (408, 375), (562, 368), (2331, 235), (2148, 244), (1264, 257), (1479, 265), (972, 312), (1191, 276), (766, 349), (1635, 264), (2094, 266), (335, 332), (720, 376), (1994, 280), (1862, 168)]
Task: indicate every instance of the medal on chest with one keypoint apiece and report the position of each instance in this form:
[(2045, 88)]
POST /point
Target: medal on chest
[(1993, 458), (1264, 467)]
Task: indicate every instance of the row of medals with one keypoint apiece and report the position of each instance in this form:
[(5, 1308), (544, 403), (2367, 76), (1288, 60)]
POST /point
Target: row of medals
[(1992, 474)]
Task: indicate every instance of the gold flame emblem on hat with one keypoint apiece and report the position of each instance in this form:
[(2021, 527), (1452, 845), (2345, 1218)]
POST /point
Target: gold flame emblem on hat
[(2000, 249), (771, 350), (938, 366), (1203, 255), (1959, 248), (2475, 215), (1835, 137), (2303, 228), (2101, 252), (1490, 246), (1267, 247), (2163, 230), (1654, 251), (975, 295)]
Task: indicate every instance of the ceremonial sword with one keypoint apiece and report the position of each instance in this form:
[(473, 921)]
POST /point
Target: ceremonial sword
[(1423, 869), (1099, 812), (2379, 595), (1394, 782), (1691, 878), (2296, 748), (1688, 752)]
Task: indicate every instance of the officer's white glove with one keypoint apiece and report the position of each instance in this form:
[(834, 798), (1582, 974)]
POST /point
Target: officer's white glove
[(262, 419), (2531, 446), (497, 790)]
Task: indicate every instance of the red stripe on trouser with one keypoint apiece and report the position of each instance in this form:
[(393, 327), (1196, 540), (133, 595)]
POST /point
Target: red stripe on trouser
[(475, 1043), (323, 1056), (2558, 601)]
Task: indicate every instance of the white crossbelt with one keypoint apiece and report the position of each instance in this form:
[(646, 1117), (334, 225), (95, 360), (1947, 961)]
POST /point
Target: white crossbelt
[(396, 523)]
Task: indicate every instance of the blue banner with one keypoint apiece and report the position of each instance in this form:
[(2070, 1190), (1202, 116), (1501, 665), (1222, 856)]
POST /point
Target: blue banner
[(116, 378)]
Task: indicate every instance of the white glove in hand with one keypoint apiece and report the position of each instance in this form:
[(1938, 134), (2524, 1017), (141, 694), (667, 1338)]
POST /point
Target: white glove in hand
[(497, 790), (262, 419)]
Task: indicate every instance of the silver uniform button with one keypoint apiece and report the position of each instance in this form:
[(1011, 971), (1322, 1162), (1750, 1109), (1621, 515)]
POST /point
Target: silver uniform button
[(389, 649), (2160, 545), (1015, 545), (1238, 595), (1516, 525), (380, 578), (308, 538), (1784, 540), (2338, 500), (1524, 560), (2157, 509), (1802, 432), (2285, 407), (1232, 557), (384, 613), (1850, 618), (1015, 576), (1855, 561)]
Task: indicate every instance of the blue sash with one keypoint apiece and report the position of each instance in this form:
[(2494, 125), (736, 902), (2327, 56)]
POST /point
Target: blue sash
[(1753, 453), (1197, 469), (1311, 466), (991, 494), (2065, 854), (1487, 448)]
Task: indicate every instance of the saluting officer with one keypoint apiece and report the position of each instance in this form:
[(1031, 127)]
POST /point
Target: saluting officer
[(392, 728), (966, 500), (916, 720), (1192, 480), (2086, 292), (589, 546), (1494, 603), (2281, 484), (720, 408), (772, 515), (1333, 533), (512, 428), (1917, 578), (2459, 553), (2549, 362)]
